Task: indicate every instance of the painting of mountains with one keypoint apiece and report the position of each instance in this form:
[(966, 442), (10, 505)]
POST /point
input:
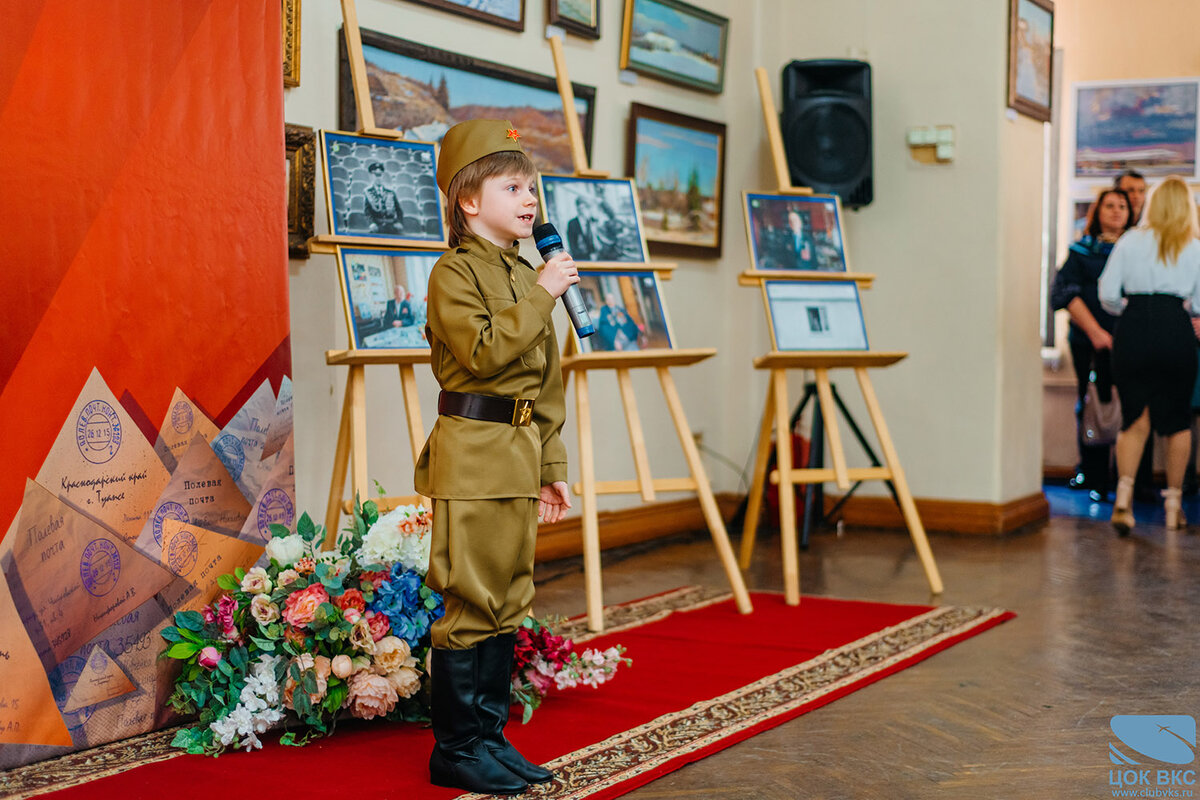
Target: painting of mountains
[(422, 91)]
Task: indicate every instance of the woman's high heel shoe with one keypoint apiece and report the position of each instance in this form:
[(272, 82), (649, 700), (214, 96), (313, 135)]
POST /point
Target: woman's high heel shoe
[(1173, 505), (1122, 516)]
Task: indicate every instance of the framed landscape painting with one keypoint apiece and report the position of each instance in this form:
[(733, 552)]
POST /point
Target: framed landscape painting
[(505, 13), (580, 17), (678, 163), (421, 91), (1030, 56), (1148, 126), (677, 42)]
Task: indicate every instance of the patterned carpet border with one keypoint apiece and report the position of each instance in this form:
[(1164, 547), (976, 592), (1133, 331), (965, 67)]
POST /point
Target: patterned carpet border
[(75, 769), (643, 753), (637, 755)]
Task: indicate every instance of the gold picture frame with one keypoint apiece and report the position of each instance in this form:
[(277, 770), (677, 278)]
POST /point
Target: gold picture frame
[(301, 144), (291, 43)]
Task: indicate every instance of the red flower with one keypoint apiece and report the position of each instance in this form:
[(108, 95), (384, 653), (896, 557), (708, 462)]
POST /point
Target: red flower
[(295, 636), (379, 625), (351, 598), (376, 578)]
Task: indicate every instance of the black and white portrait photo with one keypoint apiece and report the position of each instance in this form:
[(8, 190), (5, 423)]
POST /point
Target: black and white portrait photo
[(382, 188), (597, 218)]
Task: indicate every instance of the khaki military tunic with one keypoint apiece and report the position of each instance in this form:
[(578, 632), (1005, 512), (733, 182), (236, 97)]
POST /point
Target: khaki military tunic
[(490, 332)]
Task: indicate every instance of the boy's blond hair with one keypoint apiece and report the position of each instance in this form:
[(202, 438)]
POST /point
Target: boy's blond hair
[(1171, 214), (469, 182)]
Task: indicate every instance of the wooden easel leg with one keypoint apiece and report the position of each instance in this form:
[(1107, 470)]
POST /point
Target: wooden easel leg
[(758, 485), (907, 506), (829, 414), (591, 522), (637, 441), (358, 431), (787, 496), (341, 460), (412, 413), (708, 503)]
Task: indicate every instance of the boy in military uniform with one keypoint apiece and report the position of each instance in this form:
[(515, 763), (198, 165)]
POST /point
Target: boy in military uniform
[(494, 463)]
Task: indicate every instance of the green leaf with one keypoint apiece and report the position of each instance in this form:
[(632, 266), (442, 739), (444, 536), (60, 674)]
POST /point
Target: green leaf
[(189, 620), (228, 583), (239, 573), (225, 667), (183, 650), (239, 657), (526, 714), (305, 527), (288, 739), (171, 634), (302, 702), (265, 645), (187, 635), (334, 699), (309, 682), (279, 531)]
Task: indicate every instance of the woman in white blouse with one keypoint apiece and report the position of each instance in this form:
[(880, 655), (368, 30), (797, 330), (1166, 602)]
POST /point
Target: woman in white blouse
[(1152, 280)]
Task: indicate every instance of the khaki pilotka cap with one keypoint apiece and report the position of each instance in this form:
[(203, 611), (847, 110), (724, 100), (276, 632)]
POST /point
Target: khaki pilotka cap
[(469, 141)]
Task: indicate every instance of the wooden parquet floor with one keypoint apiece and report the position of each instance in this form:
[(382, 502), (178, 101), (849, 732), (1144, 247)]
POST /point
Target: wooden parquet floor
[(1105, 626)]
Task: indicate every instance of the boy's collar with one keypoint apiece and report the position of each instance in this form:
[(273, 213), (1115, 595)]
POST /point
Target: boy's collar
[(508, 255)]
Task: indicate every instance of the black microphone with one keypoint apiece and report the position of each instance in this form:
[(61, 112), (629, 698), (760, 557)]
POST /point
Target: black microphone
[(549, 244)]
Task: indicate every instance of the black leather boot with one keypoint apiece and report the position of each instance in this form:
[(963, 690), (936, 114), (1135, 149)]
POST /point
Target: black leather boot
[(492, 704), (459, 758)]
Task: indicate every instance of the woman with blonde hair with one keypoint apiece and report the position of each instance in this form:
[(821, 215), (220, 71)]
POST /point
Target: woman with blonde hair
[(1152, 281)]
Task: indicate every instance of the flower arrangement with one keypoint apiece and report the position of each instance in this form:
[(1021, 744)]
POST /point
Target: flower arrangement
[(310, 635), (544, 661)]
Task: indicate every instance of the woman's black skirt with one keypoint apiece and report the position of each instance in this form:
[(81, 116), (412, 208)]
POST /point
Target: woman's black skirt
[(1154, 362)]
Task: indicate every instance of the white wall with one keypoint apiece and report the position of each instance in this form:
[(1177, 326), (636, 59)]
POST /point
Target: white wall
[(954, 246)]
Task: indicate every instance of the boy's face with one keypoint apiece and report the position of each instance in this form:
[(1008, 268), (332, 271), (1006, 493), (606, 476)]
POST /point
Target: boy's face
[(505, 209)]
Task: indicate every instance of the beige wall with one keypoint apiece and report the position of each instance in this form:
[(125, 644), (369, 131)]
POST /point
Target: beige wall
[(955, 246)]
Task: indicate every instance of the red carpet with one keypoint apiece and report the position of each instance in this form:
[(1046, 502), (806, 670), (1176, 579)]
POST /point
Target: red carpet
[(703, 678)]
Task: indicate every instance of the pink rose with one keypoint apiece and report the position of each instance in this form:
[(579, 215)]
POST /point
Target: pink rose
[(371, 695), (209, 616), (352, 615), (379, 623), (301, 606), (209, 657)]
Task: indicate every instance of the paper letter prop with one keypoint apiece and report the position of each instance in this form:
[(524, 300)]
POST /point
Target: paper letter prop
[(101, 464), (182, 422)]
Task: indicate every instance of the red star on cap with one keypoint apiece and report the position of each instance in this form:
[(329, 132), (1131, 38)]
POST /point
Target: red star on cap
[(512, 134)]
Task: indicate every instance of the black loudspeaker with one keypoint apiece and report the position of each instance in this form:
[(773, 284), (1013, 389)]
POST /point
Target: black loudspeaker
[(826, 124)]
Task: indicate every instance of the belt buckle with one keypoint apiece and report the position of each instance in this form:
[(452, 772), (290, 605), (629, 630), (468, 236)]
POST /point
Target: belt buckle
[(522, 412)]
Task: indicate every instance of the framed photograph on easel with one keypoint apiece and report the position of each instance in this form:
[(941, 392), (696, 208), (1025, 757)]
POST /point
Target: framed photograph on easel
[(815, 315), (382, 188), (627, 310), (795, 232), (384, 296), (598, 218)]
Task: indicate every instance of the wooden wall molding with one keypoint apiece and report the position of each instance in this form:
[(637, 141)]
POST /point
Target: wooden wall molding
[(954, 516), (631, 525)]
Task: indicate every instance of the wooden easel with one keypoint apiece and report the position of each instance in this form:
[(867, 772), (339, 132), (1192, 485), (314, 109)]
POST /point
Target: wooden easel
[(661, 360), (776, 417), (351, 449)]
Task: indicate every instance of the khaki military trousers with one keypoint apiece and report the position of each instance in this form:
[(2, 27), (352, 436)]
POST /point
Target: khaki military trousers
[(481, 560)]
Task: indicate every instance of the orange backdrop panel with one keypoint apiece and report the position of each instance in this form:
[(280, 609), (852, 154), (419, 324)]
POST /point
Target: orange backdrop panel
[(142, 184)]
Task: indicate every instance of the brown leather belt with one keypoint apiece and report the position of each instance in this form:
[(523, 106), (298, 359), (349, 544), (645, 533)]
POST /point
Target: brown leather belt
[(513, 411)]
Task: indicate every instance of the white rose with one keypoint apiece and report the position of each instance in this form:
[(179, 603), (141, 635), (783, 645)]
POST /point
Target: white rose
[(287, 550), (256, 582)]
